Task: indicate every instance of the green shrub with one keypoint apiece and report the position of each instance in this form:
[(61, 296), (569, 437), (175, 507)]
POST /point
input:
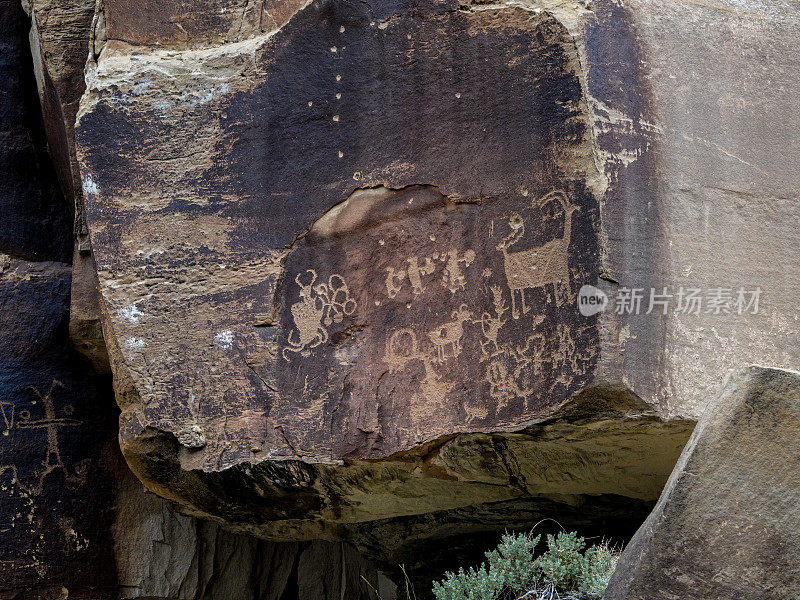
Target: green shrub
[(564, 570)]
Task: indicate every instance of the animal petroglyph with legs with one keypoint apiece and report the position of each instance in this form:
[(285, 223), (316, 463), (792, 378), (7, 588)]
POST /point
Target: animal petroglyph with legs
[(448, 335), (540, 266)]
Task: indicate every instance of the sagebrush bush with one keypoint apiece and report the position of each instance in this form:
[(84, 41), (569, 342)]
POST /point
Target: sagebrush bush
[(564, 570)]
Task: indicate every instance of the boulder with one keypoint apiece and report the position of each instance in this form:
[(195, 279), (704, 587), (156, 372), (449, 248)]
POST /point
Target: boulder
[(62, 34), (726, 523), (340, 247)]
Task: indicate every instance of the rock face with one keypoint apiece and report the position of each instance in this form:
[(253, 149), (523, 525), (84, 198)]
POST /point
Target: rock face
[(55, 424), (340, 247), (74, 521), (35, 215), (162, 554), (329, 259), (726, 524), (55, 486), (326, 305), (337, 250), (62, 35)]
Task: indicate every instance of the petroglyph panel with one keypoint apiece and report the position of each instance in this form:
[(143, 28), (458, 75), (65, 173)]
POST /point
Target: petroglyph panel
[(56, 506), (353, 236), (487, 333)]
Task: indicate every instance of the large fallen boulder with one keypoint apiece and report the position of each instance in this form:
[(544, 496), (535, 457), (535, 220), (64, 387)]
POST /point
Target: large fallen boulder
[(726, 524), (340, 247)]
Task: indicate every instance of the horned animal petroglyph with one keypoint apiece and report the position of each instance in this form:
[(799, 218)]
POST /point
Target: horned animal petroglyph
[(540, 266), (448, 335)]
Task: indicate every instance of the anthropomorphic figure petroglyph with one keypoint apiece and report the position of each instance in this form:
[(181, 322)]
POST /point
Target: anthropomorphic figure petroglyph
[(448, 335), (51, 423), (540, 266), (416, 271), (453, 277), (402, 348), (511, 366), (319, 307), (491, 325), (418, 268)]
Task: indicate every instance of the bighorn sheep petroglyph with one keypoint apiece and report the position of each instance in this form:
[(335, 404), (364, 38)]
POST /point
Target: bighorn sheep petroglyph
[(539, 266)]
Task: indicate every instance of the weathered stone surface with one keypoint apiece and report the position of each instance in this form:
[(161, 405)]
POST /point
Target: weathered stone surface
[(693, 108), (60, 41), (62, 34), (619, 457), (328, 308), (726, 524), (57, 420), (85, 328), (162, 554), (325, 306), (339, 248), (183, 23), (56, 494), (74, 522)]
